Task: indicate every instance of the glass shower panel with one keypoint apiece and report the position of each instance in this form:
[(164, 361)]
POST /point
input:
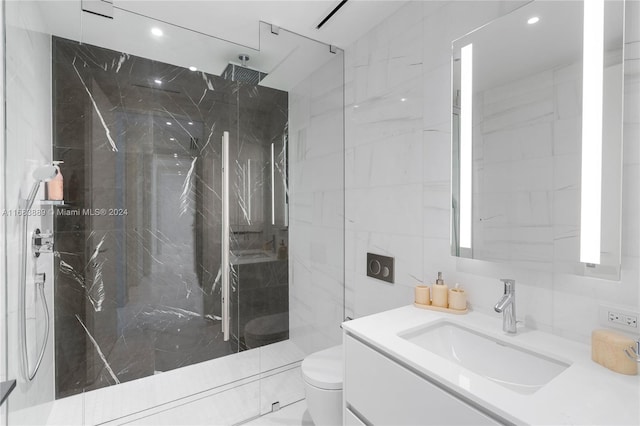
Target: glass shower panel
[(139, 236), (259, 234), (315, 170), (305, 185)]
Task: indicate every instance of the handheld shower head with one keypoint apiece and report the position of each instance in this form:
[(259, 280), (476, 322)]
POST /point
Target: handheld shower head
[(41, 174), (44, 173)]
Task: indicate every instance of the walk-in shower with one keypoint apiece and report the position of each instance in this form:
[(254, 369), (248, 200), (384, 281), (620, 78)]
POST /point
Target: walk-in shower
[(193, 256)]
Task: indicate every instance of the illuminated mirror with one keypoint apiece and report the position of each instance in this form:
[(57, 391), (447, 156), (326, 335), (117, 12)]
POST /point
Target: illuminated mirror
[(537, 138)]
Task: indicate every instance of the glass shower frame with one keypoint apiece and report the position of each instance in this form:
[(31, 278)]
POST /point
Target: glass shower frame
[(252, 367)]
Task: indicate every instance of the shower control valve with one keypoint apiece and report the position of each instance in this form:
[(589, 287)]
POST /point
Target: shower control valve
[(41, 242)]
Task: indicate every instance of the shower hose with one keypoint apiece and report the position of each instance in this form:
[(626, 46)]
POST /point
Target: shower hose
[(22, 294)]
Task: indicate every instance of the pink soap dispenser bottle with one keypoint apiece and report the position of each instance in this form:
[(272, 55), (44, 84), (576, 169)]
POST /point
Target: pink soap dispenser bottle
[(55, 187)]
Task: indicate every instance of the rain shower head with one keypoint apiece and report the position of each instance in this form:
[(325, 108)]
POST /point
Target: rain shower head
[(44, 173), (242, 73)]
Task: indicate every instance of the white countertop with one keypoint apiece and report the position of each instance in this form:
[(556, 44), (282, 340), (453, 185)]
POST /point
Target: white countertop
[(585, 393)]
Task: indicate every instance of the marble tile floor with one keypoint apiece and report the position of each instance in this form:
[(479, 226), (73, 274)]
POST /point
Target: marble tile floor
[(295, 414)]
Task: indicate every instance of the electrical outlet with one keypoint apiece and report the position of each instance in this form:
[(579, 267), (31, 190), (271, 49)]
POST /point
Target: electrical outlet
[(622, 319), (631, 320)]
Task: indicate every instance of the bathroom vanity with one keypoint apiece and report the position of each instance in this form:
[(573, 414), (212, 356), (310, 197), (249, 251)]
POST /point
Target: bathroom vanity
[(409, 366)]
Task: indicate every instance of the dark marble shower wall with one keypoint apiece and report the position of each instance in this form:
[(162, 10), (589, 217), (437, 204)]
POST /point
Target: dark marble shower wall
[(137, 290)]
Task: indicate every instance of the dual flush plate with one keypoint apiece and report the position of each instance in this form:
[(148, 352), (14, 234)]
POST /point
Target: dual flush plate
[(380, 267)]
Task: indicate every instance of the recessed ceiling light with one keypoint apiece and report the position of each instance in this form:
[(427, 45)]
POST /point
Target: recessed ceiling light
[(356, 106), (175, 155), (156, 31), (177, 164), (191, 123), (169, 123), (158, 81), (403, 99), (533, 20), (192, 68), (172, 139)]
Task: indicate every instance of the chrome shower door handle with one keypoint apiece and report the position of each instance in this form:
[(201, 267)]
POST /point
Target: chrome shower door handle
[(224, 264)]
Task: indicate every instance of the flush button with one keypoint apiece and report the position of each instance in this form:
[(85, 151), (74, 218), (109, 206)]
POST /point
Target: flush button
[(380, 267), (374, 267)]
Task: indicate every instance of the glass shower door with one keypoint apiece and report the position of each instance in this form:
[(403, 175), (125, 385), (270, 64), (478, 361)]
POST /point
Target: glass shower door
[(148, 170)]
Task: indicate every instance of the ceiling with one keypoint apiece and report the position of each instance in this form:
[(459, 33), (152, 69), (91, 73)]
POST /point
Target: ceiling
[(209, 34), (237, 20)]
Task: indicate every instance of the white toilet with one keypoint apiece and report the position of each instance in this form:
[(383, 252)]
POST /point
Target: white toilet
[(322, 372)]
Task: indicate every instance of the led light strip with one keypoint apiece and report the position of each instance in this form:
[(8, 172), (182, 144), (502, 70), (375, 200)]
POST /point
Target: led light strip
[(592, 88), (273, 185), (466, 144)]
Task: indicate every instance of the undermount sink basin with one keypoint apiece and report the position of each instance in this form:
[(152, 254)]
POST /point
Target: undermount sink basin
[(515, 368)]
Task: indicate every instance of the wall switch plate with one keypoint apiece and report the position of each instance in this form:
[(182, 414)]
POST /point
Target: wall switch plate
[(620, 318), (380, 267)]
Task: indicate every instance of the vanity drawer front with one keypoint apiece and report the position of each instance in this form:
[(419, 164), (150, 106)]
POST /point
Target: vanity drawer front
[(385, 393)]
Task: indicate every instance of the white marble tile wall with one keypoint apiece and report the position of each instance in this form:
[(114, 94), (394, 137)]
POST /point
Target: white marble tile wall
[(316, 232), (28, 145), (384, 160), (400, 206)]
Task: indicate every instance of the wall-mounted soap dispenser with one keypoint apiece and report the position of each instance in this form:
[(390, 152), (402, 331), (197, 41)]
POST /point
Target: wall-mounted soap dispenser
[(55, 187)]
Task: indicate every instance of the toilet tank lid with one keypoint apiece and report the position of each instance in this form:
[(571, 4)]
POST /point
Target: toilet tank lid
[(323, 369)]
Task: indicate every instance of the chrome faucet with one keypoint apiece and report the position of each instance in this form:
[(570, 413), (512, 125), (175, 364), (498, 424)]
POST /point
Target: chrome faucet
[(507, 306)]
